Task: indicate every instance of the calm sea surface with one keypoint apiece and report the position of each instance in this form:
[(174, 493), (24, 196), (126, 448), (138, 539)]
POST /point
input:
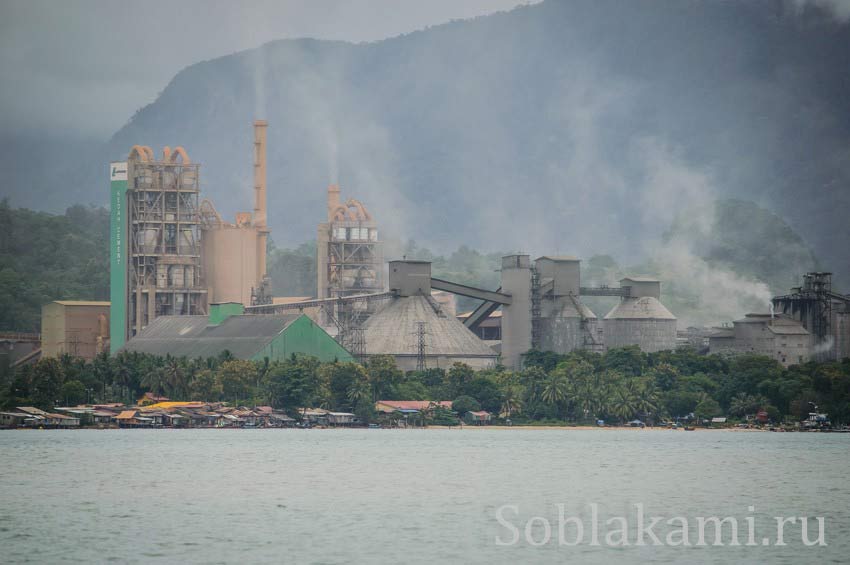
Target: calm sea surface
[(413, 496)]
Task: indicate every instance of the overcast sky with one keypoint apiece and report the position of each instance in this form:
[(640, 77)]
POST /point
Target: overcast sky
[(85, 66)]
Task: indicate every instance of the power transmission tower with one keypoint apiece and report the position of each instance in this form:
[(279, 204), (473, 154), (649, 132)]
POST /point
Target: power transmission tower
[(421, 333)]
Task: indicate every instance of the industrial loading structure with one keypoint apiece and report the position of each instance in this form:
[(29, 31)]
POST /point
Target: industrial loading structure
[(824, 312), (349, 259), (155, 251), (234, 254)]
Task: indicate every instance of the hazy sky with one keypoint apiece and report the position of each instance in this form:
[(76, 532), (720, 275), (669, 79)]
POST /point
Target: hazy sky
[(85, 66)]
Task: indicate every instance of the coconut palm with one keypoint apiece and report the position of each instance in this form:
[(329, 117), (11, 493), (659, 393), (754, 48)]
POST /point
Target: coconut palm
[(358, 392), (555, 390), (175, 377), (646, 398), (155, 380), (512, 400), (623, 404)]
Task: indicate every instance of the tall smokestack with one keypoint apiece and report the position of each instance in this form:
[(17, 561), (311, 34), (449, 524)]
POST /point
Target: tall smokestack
[(333, 200), (260, 215)]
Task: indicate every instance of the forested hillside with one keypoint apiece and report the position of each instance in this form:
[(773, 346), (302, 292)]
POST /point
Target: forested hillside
[(46, 257)]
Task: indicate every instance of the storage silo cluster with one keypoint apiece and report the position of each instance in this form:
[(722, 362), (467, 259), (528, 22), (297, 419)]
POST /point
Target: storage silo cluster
[(546, 312)]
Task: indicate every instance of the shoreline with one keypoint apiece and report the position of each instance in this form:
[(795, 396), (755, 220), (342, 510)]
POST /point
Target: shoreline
[(434, 427)]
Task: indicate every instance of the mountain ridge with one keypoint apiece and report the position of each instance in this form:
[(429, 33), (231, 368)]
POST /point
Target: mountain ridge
[(581, 127)]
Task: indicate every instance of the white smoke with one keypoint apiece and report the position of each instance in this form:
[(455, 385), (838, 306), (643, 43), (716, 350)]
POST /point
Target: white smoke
[(706, 294), (825, 346), (839, 8)]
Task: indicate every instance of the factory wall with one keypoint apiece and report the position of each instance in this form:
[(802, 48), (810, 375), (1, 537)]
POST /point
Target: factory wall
[(305, 337), (649, 335), (841, 327), (409, 362), (75, 327)]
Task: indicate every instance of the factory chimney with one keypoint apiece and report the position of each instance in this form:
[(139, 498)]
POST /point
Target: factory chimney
[(260, 196)]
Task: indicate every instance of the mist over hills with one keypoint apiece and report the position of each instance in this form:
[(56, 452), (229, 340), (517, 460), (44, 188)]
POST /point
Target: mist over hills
[(580, 127)]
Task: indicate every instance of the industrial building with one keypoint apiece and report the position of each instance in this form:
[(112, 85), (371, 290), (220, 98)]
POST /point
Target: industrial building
[(824, 312), (227, 328), (545, 311), (413, 327), (773, 335), (170, 255), (349, 259), (78, 328), (155, 264), (640, 318)]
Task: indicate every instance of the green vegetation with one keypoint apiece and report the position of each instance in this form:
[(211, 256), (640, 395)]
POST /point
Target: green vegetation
[(581, 387), (45, 257)]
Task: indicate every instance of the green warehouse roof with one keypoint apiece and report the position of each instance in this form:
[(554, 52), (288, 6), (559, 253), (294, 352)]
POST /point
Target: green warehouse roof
[(244, 336)]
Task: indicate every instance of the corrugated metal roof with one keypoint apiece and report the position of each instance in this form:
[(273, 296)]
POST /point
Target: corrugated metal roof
[(788, 329), (559, 258), (81, 303), (643, 308), (192, 336), (392, 330)]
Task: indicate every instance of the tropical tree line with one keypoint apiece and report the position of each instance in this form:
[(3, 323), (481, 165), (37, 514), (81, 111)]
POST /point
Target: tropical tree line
[(581, 387)]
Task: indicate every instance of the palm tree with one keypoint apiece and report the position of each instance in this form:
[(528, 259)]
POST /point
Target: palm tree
[(155, 380), (511, 400), (358, 392), (646, 399), (175, 377), (555, 390), (623, 404)]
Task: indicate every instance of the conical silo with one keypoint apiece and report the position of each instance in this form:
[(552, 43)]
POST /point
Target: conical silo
[(640, 318)]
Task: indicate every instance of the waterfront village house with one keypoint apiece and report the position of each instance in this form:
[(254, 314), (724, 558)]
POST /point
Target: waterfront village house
[(80, 328), (13, 419), (342, 419), (776, 336), (479, 418), (388, 406), (252, 337)]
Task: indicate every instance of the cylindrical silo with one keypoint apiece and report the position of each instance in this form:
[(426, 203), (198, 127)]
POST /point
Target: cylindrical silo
[(641, 321), (567, 325)]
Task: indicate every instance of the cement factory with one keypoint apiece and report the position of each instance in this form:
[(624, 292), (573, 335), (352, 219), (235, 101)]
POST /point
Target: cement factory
[(180, 271)]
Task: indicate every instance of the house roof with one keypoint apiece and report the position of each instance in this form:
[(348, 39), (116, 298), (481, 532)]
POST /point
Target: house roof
[(126, 415), (32, 410), (415, 404), (192, 336), (790, 329), (81, 302)]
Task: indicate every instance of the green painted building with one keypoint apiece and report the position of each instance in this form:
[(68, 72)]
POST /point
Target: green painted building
[(252, 337), (118, 255)]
